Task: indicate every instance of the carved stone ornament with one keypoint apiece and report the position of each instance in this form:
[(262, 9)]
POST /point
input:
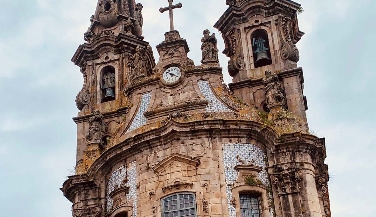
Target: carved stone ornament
[(95, 211), (205, 205), (289, 51), (231, 2), (209, 48), (107, 13), (83, 98), (139, 20), (322, 188), (234, 51), (172, 36), (96, 128), (140, 63), (89, 34), (274, 91), (235, 64), (286, 181)]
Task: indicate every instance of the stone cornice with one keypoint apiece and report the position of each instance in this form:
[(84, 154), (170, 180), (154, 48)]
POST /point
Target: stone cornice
[(74, 183), (217, 128), (106, 115), (242, 11), (90, 51), (259, 81)]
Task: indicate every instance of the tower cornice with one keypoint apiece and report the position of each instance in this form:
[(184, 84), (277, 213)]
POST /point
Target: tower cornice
[(90, 51), (242, 11)]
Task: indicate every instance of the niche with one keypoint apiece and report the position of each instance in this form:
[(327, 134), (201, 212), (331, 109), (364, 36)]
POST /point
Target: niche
[(108, 84), (261, 48)]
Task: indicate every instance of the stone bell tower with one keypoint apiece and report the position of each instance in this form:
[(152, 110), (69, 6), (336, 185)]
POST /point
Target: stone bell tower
[(171, 139)]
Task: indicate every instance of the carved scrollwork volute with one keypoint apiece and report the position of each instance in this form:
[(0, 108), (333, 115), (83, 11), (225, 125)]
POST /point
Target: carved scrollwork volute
[(83, 97), (274, 91), (289, 51), (234, 51)]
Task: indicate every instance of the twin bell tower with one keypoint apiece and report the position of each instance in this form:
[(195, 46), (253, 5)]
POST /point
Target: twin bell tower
[(169, 138)]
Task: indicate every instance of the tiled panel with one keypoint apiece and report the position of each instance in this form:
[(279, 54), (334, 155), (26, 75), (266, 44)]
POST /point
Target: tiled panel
[(239, 154), (214, 104), (140, 119), (115, 181)]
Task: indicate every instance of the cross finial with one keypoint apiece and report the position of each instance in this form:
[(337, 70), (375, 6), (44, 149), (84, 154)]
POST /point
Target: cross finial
[(170, 8)]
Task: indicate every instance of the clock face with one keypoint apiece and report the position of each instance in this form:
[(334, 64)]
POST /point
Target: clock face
[(171, 75)]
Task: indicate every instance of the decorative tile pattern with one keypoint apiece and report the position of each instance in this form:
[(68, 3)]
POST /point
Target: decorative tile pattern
[(116, 180), (140, 119), (214, 104), (238, 154), (132, 184)]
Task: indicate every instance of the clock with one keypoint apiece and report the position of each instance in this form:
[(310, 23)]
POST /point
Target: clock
[(171, 75)]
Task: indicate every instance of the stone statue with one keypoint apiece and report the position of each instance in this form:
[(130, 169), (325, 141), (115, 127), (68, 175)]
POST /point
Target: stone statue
[(275, 96), (139, 20), (138, 64), (209, 48), (96, 129)]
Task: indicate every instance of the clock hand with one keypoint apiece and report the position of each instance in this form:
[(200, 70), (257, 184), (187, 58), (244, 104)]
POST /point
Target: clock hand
[(172, 74)]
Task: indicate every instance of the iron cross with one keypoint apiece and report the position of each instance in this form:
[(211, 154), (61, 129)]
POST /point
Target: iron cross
[(170, 8)]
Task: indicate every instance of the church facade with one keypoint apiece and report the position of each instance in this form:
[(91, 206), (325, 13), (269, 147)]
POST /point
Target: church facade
[(169, 138)]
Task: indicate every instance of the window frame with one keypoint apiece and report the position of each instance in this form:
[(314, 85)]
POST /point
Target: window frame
[(178, 209), (251, 197)]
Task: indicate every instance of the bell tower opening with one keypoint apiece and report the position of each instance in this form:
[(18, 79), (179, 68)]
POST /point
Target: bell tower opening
[(261, 48), (108, 84)]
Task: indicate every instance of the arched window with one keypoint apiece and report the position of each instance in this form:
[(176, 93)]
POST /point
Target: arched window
[(249, 205), (180, 204), (108, 84), (261, 48)]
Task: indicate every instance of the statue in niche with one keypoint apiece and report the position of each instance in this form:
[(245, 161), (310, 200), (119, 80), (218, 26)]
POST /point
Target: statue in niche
[(108, 84), (96, 129), (274, 91), (139, 20), (209, 48)]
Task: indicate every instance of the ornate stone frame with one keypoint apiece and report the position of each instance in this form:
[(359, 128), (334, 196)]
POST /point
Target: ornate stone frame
[(248, 34), (99, 79), (253, 190)]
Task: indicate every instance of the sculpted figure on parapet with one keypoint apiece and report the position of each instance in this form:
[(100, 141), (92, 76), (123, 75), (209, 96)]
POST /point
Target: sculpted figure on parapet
[(139, 20), (209, 48)]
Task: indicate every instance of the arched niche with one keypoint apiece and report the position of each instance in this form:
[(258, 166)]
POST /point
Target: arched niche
[(261, 48), (108, 84)]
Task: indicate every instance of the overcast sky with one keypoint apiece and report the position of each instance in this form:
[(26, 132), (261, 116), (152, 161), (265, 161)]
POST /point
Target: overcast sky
[(38, 86)]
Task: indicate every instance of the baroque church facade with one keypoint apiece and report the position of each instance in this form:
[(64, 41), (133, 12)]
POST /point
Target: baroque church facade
[(169, 138)]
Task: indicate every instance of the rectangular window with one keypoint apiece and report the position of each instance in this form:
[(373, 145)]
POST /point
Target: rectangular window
[(249, 205), (180, 205)]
